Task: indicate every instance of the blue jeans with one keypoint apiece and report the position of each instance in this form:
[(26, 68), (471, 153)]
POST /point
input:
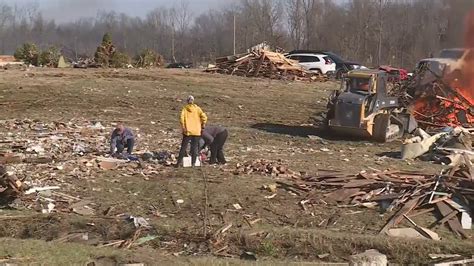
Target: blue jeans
[(129, 145)]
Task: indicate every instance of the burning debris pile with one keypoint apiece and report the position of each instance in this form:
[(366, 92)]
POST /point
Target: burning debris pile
[(450, 195), (438, 103), (268, 168), (263, 63), (443, 94)]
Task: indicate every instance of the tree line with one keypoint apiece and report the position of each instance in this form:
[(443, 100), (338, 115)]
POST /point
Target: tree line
[(372, 32)]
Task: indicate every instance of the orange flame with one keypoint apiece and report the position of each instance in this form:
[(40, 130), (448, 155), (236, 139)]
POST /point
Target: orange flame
[(466, 87), (452, 105)]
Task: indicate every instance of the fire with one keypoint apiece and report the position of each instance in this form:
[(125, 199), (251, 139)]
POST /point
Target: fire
[(450, 102), (467, 66)]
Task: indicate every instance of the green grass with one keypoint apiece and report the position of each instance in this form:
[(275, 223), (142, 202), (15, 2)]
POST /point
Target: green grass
[(48, 253)]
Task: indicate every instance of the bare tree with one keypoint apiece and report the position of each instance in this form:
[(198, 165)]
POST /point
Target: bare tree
[(398, 32), (295, 17)]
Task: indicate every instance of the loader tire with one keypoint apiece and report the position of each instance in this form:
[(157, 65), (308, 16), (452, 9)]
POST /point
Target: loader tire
[(381, 124)]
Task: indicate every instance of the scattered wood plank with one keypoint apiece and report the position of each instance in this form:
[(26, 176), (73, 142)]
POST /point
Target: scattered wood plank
[(342, 195), (453, 223), (420, 212), (447, 217), (398, 217)]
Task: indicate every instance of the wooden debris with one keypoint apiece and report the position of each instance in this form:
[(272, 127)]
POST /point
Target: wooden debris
[(453, 223), (398, 217), (409, 193), (424, 231), (264, 64), (268, 168)]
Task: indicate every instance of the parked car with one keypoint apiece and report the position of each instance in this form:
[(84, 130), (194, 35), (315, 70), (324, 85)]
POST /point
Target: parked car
[(319, 63), (342, 66), (448, 60), (180, 65)]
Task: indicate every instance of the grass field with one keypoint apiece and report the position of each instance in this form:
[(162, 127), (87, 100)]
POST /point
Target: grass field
[(267, 119)]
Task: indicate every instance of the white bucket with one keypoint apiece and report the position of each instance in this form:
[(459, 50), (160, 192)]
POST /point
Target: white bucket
[(187, 162)]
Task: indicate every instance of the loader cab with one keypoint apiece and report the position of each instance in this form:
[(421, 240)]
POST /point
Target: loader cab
[(359, 85), (365, 82), (362, 107)]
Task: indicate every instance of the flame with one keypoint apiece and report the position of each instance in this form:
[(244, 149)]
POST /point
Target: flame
[(466, 87), (450, 102)]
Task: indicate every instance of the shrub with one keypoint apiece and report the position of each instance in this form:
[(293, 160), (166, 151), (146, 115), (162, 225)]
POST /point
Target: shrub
[(149, 58), (119, 60), (50, 57), (28, 53)]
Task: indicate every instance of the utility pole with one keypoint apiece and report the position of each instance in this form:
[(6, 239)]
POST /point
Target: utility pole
[(380, 33), (234, 33), (75, 48), (172, 43)]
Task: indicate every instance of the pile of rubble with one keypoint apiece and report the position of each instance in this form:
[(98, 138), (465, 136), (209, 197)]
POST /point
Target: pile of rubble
[(267, 168), (85, 63), (263, 63), (440, 99), (445, 147), (450, 193), (45, 156)]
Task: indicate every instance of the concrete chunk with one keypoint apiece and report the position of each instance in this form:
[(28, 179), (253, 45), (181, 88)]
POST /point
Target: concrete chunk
[(371, 257)]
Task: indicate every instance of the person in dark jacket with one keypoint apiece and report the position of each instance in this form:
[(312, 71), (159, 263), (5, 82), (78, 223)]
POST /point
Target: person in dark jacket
[(121, 138), (215, 137)]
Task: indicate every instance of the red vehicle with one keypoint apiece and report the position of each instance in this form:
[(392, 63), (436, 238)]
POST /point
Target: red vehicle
[(395, 74)]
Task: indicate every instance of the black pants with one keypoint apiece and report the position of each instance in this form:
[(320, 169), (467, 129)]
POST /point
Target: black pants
[(217, 148), (129, 145), (194, 148)]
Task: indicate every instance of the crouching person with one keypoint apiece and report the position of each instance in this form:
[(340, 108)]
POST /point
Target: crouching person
[(215, 137), (122, 138)]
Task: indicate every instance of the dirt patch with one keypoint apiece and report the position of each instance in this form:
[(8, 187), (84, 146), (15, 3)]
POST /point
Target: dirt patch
[(266, 119)]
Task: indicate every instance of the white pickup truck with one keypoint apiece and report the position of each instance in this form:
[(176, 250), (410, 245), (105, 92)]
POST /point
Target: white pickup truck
[(448, 61)]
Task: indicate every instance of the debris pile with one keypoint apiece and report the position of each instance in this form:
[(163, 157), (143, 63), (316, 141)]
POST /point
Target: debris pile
[(440, 99), (47, 155), (268, 168), (450, 194), (445, 147), (85, 63), (162, 157), (29, 141), (263, 64), (441, 106)]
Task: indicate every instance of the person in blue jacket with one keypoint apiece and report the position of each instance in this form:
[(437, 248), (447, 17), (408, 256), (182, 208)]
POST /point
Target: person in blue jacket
[(121, 138)]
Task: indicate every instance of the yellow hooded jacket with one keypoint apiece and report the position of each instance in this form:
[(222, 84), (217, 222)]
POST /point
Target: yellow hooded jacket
[(193, 119)]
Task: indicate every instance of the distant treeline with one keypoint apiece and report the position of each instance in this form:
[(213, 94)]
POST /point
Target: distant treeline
[(373, 32)]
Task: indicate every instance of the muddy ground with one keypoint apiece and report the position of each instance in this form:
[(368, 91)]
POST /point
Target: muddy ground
[(267, 119)]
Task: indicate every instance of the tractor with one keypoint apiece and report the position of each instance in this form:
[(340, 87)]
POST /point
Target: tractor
[(363, 107)]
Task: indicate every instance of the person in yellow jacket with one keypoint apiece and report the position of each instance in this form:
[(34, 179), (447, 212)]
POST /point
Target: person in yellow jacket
[(192, 120)]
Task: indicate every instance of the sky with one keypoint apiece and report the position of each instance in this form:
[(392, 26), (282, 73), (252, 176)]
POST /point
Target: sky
[(70, 10)]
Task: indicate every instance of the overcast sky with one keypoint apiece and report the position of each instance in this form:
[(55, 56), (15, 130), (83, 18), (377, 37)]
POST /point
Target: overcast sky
[(69, 10)]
